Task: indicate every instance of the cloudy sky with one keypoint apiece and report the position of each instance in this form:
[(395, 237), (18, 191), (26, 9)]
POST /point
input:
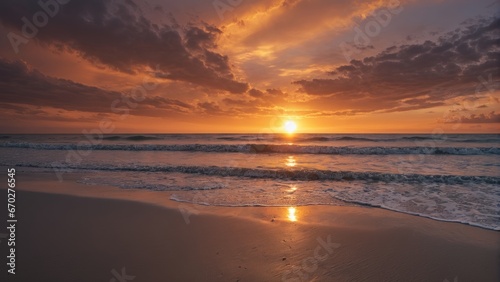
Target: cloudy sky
[(246, 66)]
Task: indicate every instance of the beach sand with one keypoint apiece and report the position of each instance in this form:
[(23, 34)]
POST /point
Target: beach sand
[(72, 232)]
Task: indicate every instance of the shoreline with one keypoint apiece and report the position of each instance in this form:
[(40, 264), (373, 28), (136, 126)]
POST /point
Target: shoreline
[(66, 227), (150, 196)]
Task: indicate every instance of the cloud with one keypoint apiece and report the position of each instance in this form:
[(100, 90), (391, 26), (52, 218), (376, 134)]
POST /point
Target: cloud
[(118, 35), (274, 91), (27, 93), (210, 108), (417, 76), (256, 93), (492, 117), (300, 20), (25, 89)]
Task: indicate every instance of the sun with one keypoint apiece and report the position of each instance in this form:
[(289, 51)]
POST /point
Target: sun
[(290, 126)]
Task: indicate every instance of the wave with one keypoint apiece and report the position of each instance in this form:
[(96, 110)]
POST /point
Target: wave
[(263, 148), (288, 174), (415, 139), (129, 138), (449, 139), (348, 138), (419, 138), (364, 139), (312, 139), (231, 138), (463, 218), (304, 139), (141, 138), (478, 141)]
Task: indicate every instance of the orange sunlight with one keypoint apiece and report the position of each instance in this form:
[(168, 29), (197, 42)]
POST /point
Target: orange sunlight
[(290, 126), (291, 214)]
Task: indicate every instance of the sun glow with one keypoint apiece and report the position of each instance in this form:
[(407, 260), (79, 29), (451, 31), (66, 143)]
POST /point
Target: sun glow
[(291, 214), (290, 126), (290, 161)]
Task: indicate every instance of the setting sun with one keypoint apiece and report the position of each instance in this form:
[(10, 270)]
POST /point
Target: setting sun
[(290, 126)]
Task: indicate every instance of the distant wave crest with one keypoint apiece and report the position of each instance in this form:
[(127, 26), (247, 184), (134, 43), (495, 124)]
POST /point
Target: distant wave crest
[(263, 148), (302, 174), (130, 138)]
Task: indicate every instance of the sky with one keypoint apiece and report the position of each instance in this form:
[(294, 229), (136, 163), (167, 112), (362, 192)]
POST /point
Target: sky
[(232, 66)]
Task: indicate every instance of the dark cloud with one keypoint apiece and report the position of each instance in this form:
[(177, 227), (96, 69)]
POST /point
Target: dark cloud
[(25, 90), (116, 34), (201, 38), (479, 118), (256, 93), (240, 102), (210, 108), (273, 91), (258, 97), (258, 102), (416, 76), (312, 113)]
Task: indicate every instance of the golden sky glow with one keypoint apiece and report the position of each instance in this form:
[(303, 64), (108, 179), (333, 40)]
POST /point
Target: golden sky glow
[(252, 66)]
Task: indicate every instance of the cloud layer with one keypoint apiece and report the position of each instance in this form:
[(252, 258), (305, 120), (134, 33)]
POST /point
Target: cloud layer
[(415, 76), (491, 117), (258, 61), (118, 35), (25, 89)]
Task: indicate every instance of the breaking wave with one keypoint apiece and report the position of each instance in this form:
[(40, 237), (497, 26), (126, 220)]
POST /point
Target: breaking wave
[(288, 174), (264, 148)]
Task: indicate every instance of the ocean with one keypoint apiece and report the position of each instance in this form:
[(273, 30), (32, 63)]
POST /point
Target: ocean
[(445, 177)]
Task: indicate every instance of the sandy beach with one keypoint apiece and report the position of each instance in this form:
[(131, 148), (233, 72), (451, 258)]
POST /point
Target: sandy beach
[(73, 232)]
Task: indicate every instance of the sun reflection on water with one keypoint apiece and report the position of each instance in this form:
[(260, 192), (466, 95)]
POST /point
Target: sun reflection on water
[(292, 189), (290, 161)]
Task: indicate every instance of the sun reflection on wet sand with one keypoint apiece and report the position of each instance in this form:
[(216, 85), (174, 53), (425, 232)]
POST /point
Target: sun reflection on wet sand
[(291, 214)]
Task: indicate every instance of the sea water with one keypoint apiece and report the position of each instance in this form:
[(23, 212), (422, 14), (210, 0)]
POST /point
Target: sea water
[(444, 177)]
